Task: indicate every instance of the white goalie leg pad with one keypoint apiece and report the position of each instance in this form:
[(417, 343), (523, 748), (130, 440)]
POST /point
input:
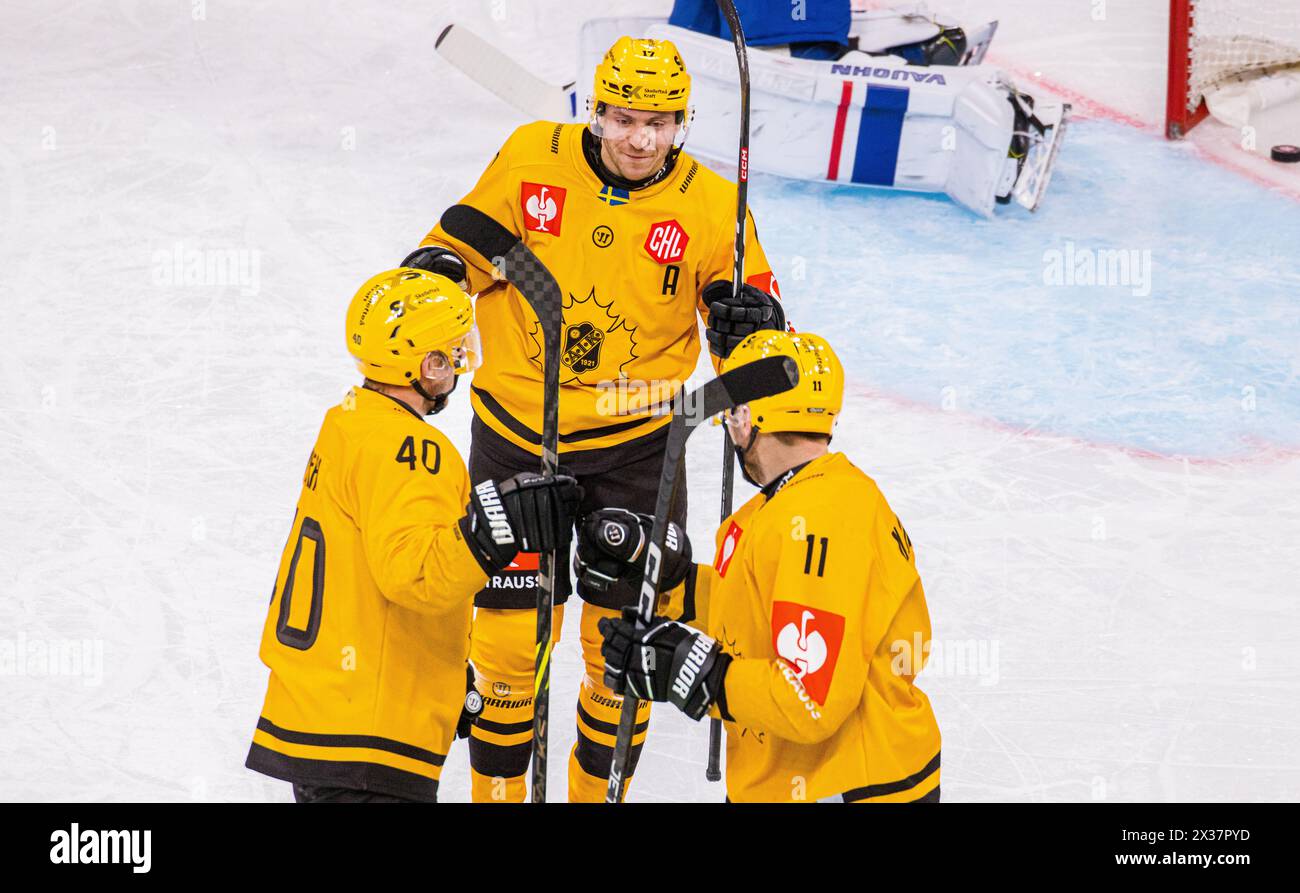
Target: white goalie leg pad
[(864, 120)]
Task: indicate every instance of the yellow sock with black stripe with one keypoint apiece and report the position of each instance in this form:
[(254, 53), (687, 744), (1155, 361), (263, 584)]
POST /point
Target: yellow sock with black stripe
[(598, 712), (502, 650)]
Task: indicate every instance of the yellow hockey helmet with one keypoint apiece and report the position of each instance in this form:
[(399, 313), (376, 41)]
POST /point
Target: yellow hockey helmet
[(811, 406), (400, 316), (643, 74)]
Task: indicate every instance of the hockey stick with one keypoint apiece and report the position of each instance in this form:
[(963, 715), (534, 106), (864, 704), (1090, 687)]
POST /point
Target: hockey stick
[(713, 771), (499, 73), (752, 381), (529, 275)]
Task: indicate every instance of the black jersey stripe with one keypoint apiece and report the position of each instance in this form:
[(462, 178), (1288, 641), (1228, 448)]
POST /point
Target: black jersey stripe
[(374, 742), (893, 787), (523, 432), (358, 776)]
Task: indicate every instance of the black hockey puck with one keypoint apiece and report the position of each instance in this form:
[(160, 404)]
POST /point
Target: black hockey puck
[(1286, 154)]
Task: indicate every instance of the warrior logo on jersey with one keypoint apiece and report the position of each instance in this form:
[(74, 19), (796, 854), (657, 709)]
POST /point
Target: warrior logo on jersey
[(666, 242), (809, 641), (598, 343), (543, 207), (728, 549)]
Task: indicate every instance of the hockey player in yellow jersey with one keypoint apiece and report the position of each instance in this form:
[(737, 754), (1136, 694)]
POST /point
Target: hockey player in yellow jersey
[(812, 611), (368, 632), (640, 237)]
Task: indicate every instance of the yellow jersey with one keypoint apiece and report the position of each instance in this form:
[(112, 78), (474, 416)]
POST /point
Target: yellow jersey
[(631, 266), (814, 592), (367, 636)]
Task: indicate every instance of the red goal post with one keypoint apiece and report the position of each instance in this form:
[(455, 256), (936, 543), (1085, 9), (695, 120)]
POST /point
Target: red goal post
[(1213, 41), (1178, 119)]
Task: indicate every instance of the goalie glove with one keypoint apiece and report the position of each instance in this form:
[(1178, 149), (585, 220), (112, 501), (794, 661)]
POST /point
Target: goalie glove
[(612, 546), (733, 318), (666, 661), (529, 512)]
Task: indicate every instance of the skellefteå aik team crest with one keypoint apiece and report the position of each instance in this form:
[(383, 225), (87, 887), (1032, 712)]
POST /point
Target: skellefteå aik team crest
[(613, 196), (596, 340)]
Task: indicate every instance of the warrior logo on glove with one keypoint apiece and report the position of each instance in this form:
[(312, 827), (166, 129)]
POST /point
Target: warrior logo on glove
[(495, 514), (613, 533)]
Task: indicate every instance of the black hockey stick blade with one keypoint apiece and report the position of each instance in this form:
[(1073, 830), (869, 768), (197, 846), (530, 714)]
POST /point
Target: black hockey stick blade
[(752, 381), (761, 378), (516, 262)]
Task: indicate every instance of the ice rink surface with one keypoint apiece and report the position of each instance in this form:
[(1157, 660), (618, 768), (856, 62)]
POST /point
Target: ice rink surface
[(1100, 480)]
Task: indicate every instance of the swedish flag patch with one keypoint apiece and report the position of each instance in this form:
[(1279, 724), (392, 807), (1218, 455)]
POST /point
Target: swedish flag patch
[(613, 196)]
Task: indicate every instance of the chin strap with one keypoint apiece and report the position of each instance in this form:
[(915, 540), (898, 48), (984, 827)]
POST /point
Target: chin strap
[(440, 401), (742, 451)]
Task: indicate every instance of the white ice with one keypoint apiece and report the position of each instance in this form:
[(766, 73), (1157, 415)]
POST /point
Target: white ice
[(1100, 483)]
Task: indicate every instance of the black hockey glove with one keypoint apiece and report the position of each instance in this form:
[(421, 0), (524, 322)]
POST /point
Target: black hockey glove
[(526, 513), (733, 318), (440, 261), (612, 545), (667, 661), (469, 713)]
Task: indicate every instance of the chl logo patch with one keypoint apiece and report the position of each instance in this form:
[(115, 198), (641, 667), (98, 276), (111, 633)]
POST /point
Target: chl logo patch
[(543, 207), (727, 550), (666, 242), (809, 641)]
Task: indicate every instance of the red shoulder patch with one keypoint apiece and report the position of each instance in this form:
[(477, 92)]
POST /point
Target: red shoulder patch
[(543, 207), (730, 543), (765, 282), (809, 641)]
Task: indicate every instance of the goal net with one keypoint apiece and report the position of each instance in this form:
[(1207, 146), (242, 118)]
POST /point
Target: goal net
[(1216, 42)]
